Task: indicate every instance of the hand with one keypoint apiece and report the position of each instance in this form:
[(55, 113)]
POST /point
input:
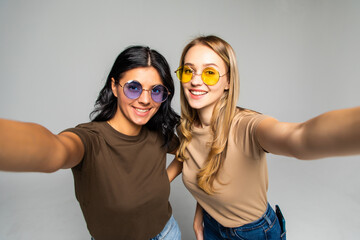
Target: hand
[(198, 223)]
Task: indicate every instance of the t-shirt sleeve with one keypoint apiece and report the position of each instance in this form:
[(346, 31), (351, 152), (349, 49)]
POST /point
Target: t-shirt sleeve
[(173, 144), (245, 133), (88, 138)]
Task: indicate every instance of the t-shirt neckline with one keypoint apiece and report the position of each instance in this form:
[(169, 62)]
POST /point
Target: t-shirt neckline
[(115, 133)]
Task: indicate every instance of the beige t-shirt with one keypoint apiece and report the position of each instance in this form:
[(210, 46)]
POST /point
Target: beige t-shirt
[(241, 198)]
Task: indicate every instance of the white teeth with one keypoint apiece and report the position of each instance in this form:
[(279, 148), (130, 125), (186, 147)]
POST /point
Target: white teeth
[(142, 110), (198, 92)]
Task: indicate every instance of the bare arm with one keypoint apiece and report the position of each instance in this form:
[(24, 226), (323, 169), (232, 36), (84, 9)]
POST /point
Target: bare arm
[(198, 222), (174, 169), (334, 133), (31, 147)]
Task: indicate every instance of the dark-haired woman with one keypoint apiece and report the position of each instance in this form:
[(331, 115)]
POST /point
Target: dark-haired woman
[(119, 159)]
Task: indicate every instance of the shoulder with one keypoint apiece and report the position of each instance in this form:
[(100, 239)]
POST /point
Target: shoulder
[(173, 145), (90, 126), (87, 131), (245, 117), (245, 123), (156, 137), (243, 131)]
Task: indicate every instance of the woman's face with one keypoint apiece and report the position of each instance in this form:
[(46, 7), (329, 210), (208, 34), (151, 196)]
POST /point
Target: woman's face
[(199, 95), (133, 113)]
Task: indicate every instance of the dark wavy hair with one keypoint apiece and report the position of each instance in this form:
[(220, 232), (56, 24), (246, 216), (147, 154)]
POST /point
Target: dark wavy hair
[(166, 119)]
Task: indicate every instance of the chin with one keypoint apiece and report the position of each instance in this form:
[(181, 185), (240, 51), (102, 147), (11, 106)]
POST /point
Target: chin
[(141, 122), (195, 105)]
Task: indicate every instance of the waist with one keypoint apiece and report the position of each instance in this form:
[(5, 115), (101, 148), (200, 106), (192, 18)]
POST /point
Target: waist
[(268, 217)]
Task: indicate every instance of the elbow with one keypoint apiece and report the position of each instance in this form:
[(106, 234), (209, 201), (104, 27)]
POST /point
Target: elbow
[(305, 152), (301, 156), (50, 170), (51, 166), (299, 145)]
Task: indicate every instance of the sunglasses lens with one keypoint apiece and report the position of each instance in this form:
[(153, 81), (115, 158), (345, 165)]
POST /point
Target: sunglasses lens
[(210, 76), (132, 89), (159, 93), (184, 74)]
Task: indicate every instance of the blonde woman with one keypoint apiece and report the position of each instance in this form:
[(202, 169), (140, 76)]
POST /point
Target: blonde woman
[(223, 147)]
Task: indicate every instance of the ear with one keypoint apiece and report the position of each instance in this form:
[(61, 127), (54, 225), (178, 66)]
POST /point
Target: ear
[(114, 87), (227, 86)]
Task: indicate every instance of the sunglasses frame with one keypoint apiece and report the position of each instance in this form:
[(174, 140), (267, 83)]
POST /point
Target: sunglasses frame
[(143, 89), (195, 74)]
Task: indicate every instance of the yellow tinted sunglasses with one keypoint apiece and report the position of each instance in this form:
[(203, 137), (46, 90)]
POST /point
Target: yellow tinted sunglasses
[(209, 75)]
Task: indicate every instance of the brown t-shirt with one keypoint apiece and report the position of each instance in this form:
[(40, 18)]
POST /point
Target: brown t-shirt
[(242, 182), (121, 183)]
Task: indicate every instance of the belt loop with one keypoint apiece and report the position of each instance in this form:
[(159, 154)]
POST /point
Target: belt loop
[(232, 231), (266, 217)]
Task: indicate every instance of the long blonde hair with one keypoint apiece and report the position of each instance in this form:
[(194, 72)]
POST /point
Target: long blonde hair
[(223, 113)]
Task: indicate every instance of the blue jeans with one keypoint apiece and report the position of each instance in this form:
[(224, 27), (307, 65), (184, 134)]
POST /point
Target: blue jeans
[(265, 228), (171, 231)]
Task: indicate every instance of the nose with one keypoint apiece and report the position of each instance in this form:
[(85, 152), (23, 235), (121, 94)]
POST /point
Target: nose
[(145, 97), (196, 80)]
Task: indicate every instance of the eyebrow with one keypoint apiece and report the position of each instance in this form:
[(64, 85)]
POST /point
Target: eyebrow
[(142, 84), (204, 65)]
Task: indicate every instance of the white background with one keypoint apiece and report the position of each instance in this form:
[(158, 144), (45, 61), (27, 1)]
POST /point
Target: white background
[(297, 59)]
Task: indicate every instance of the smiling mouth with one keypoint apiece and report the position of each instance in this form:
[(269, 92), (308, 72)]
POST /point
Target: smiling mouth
[(142, 110), (197, 93)]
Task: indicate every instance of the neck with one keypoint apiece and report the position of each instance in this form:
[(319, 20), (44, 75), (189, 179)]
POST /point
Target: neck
[(205, 115), (123, 126)]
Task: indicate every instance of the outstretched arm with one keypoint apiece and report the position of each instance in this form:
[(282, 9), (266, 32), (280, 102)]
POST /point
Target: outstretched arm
[(32, 148), (334, 133), (174, 169)]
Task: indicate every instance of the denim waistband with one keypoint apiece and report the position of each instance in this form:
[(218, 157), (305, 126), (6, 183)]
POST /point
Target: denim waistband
[(268, 217), (266, 227)]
